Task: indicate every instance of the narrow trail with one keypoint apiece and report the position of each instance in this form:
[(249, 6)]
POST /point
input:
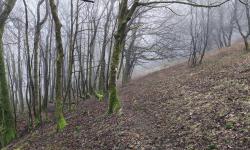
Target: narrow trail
[(207, 107)]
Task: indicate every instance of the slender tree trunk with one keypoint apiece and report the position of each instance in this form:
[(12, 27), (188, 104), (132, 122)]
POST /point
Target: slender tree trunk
[(121, 66), (206, 37), (46, 71), (61, 122), (36, 98), (128, 56), (14, 86), (72, 41), (246, 44), (29, 74), (102, 78), (244, 36), (110, 57), (20, 78), (91, 57)]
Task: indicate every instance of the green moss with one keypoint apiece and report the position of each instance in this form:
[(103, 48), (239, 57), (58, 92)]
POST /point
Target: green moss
[(37, 122), (7, 122), (78, 129), (10, 134), (7, 135), (229, 125), (99, 96), (114, 102), (61, 124), (1, 130), (212, 147)]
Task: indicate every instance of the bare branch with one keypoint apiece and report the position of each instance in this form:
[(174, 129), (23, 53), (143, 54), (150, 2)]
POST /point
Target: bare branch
[(183, 3), (89, 1)]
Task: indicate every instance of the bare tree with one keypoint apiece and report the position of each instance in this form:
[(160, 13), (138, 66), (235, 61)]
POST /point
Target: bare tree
[(39, 23), (244, 34), (199, 30), (124, 17), (102, 78)]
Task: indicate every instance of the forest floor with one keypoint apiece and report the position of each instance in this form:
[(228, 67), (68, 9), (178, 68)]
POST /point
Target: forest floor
[(207, 107)]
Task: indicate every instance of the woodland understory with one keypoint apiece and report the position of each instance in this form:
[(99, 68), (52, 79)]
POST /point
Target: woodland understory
[(67, 72)]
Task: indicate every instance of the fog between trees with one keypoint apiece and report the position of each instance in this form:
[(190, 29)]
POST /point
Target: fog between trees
[(57, 53)]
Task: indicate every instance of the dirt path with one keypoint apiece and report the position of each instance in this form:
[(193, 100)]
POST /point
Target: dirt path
[(207, 107)]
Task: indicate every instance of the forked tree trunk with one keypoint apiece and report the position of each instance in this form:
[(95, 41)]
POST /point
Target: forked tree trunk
[(36, 98), (124, 16)]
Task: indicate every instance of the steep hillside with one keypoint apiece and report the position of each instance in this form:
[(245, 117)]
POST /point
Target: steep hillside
[(207, 107)]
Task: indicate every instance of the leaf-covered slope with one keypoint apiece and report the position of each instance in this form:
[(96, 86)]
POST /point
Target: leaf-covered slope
[(207, 107)]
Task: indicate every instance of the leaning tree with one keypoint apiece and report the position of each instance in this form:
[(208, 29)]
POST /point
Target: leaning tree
[(124, 16)]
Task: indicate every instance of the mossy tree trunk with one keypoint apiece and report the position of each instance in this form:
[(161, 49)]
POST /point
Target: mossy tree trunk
[(61, 122), (7, 123), (124, 16)]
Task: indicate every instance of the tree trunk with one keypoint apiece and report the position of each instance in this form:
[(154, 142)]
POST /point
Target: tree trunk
[(61, 122), (246, 44), (7, 128), (36, 98), (46, 70), (20, 78), (72, 41), (30, 85), (124, 16), (129, 56), (103, 52)]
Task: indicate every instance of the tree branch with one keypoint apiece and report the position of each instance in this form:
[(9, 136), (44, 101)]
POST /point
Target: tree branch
[(89, 1), (183, 3)]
